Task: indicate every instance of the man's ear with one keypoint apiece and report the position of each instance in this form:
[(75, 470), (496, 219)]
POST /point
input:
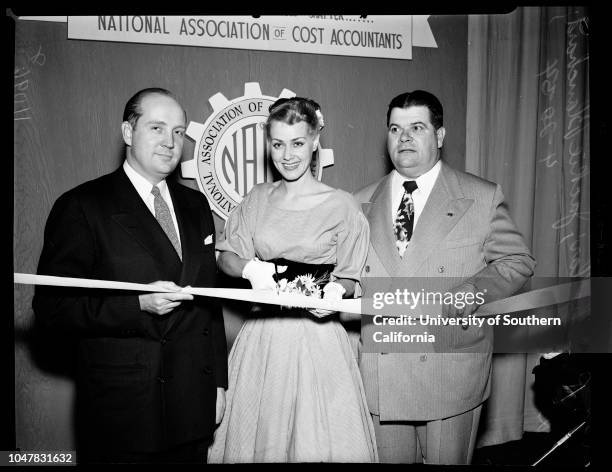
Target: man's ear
[(126, 132), (440, 133)]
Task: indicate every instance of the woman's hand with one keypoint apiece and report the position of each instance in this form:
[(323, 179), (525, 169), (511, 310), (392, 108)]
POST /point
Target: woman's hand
[(261, 274), (331, 291)]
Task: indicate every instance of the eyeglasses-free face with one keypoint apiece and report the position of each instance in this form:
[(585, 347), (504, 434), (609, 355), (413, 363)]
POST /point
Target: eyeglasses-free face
[(291, 148), (412, 141)]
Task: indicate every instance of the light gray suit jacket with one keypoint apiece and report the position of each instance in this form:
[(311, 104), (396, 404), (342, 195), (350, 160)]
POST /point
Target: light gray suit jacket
[(464, 234)]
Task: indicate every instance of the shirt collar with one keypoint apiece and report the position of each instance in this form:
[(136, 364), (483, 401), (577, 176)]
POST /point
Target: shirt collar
[(424, 182), (141, 184)]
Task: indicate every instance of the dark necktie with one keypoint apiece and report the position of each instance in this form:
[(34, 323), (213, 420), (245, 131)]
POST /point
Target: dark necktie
[(404, 220), (162, 213)]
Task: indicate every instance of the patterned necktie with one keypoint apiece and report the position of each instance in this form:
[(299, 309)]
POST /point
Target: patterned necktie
[(162, 213), (404, 220)]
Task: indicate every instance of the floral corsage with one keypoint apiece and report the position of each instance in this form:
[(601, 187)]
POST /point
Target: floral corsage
[(303, 284)]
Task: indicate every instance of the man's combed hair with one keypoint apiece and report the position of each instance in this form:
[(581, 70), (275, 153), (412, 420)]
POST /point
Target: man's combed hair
[(133, 111), (419, 98)]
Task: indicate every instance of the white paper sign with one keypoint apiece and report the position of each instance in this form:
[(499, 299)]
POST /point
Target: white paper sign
[(389, 36)]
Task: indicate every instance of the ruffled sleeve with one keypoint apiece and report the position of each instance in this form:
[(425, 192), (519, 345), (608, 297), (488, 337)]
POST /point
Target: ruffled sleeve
[(240, 226), (352, 243)]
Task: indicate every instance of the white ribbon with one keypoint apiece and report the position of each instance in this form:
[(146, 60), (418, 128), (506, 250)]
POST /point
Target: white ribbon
[(247, 295), (525, 301)]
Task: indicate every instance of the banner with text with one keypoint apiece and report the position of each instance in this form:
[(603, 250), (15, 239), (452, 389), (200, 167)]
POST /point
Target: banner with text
[(391, 36)]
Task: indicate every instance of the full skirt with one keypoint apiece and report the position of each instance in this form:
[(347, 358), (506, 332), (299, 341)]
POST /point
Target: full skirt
[(294, 395)]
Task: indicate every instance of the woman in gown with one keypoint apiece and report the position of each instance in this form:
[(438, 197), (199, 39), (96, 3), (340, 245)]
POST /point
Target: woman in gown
[(295, 393)]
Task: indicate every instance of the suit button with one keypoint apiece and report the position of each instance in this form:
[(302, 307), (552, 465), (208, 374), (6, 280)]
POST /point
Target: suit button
[(423, 358), (367, 268), (163, 340), (207, 370), (161, 380), (205, 332)]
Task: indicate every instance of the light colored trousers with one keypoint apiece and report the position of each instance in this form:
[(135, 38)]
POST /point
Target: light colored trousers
[(446, 441)]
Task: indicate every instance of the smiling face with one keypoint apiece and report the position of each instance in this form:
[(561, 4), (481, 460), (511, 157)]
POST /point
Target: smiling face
[(155, 142), (291, 149), (412, 141)]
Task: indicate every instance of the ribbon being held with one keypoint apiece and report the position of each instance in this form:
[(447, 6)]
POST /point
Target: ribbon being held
[(248, 295), (525, 301)]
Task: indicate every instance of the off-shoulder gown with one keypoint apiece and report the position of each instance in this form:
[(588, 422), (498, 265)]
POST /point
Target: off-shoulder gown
[(295, 393)]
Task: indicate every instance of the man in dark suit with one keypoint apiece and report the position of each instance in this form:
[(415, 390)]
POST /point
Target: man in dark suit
[(152, 367), (431, 222)]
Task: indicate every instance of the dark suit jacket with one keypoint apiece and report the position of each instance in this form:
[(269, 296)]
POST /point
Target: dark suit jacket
[(145, 382)]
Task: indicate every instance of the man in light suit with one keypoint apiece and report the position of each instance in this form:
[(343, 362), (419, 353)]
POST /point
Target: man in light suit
[(152, 367), (455, 227)]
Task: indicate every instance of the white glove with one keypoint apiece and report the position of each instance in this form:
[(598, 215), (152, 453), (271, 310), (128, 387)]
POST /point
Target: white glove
[(331, 291), (260, 274)]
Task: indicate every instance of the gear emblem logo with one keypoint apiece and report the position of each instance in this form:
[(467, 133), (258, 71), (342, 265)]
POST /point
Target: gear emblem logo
[(231, 152)]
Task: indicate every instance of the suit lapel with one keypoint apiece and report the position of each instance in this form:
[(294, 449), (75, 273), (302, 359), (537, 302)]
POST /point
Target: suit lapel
[(188, 219), (443, 209), (381, 229), (191, 227), (135, 218)]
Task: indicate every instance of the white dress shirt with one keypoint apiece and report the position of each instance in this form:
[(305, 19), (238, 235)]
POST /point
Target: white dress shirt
[(143, 187), (419, 197)]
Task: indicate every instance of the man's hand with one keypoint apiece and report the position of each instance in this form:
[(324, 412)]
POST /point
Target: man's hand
[(465, 301), (164, 302), (220, 408)]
